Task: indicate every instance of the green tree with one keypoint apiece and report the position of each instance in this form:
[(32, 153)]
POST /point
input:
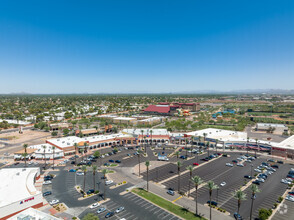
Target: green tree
[(254, 189), (94, 169), (53, 148), (190, 168), (179, 164), (147, 164), (25, 146), (84, 169), (44, 153), (197, 181), (239, 195), (104, 172), (264, 214), (211, 186)]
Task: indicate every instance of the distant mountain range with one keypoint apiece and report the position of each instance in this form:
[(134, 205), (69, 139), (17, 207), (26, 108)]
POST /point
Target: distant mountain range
[(244, 91)]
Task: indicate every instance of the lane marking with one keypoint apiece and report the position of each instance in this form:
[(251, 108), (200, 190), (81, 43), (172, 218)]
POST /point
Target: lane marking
[(177, 199)]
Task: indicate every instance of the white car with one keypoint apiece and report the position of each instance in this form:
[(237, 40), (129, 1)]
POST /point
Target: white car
[(240, 165), (36, 163), (100, 210), (285, 181), (108, 182), (95, 205), (54, 202), (260, 180), (80, 173), (257, 170), (240, 159), (120, 209), (47, 182), (223, 184), (229, 164), (30, 163), (290, 198)]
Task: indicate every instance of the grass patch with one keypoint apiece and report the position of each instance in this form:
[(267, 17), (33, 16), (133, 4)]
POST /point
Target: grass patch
[(177, 210), (113, 165)]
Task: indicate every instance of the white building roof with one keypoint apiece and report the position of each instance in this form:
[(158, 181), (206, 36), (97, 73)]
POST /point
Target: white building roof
[(33, 214), (124, 118), (105, 138), (151, 119), (48, 149), (222, 135), (271, 125), (287, 143), (19, 122), (17, 184), (146, 131), (65, 141)]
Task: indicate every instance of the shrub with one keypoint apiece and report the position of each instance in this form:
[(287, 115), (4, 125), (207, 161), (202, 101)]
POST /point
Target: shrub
[(280, 199), (264, 214), (96, 192)]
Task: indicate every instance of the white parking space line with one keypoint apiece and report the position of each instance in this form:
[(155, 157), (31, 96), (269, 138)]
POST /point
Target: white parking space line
[(154, 207), (147, 207), (167, 216), (146, 204)]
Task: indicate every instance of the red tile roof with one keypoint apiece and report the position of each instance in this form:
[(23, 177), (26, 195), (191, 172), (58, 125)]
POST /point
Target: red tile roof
[(159, 109)]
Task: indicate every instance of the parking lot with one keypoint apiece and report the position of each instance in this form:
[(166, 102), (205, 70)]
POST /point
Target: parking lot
[(135, 208)]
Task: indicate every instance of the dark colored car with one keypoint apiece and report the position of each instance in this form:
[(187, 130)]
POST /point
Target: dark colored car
[(47, 193), (205, 159), (118, 161), (111, 161), (225, 155), (212, 203), (183, 157), (90, 191), (170, 192), (271, 160), (106, 164), (275, 166), (256, 182), (234, 161), (290, 176), (280, 162), (109, 214), (73, 162), (291, 193), (16, 163), (89, 163), (47, 178), (248, 177), (237, 216)]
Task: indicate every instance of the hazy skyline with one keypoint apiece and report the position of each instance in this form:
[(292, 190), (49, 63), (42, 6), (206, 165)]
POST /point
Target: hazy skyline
[(145, 46)]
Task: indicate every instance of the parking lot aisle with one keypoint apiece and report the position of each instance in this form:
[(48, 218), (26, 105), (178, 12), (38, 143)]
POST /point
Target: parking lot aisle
[(285, 212), (143, 209), (162, 172), (271, 189)]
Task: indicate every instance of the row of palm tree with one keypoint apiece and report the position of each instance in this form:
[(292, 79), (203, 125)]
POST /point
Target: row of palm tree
[(238, 194)]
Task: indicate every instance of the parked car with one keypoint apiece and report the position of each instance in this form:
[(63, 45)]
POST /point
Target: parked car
[(111, 161), (229, 164), (79, 173), (106, 164), (223, 184), (212, 203), (95, 205), (237, 216), (72, 170), (261, 180), (275, 166), (108, 182), (290, 198), (285, 181), (183, 157), (100, 210), (118, 161), (280, 162), (109, 214), (257, 170), (120, 209), (54, 202), (195, 164), (256, 182), (240, 165), (47, 182), (234, 161), (248, 177), (90, 191), (47, 193), (170, 192)]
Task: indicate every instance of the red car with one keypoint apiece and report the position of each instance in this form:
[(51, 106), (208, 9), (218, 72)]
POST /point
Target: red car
[(195, 164)]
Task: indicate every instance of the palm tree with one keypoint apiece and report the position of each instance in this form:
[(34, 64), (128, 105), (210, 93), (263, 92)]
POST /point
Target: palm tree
[(207, 146), (147, 164), (199, 141), (177, 154), (190, 168), (84, 169), (94, 169), (104, 172), (82, 152), (25, 146), (197, 181), (44, 148), (139, 157), (179, 164), (53, 148), (76, 147), (151, 136), (211, 186), (247, 145), (216, 141), (85, 147), (239, 195), (254, 189)]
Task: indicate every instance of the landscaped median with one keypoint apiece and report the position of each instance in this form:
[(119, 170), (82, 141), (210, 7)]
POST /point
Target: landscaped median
[(167, 205)]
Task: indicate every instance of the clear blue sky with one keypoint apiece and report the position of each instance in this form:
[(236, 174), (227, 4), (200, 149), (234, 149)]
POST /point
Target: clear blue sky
[(52, 46)]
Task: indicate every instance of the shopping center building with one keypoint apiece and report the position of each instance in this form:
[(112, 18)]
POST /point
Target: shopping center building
[(17, 190)]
